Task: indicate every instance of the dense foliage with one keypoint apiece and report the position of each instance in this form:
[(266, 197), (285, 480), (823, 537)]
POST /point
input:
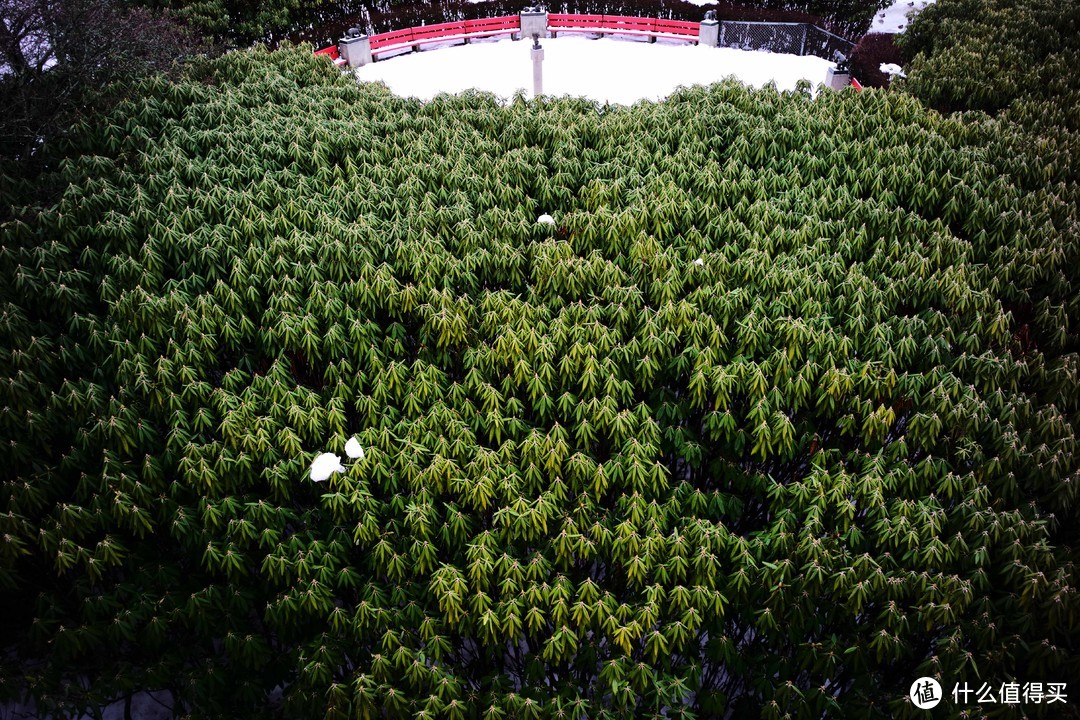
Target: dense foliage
[(242, 21), (1014, 56), (780, 415)]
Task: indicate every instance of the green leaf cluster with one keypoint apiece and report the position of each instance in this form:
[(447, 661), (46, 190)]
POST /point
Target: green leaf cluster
[(991, 55), (601, 479)]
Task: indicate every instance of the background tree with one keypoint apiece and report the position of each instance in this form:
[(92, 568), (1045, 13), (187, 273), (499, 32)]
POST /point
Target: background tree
[(242, 22), (996, 55), (64, 61)]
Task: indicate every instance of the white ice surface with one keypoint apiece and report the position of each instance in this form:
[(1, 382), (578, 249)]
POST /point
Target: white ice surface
[(607, 70)]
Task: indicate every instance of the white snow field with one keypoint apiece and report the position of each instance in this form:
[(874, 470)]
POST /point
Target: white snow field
[(895, 18), (606, 70)]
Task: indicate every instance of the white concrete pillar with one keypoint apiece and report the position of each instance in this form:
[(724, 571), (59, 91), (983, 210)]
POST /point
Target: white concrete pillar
[(837, 79), (533, 22), (538, 69), (356, 50), (709, 34)]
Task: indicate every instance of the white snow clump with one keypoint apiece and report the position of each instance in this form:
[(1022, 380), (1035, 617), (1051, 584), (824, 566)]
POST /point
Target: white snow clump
[(353, 449), (326, 465)]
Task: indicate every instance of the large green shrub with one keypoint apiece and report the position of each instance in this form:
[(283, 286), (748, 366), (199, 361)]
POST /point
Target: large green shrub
[(780, 416), (997, 55)]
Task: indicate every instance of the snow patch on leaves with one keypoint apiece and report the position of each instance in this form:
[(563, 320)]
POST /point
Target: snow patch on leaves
[(326, 465), (353, 449)]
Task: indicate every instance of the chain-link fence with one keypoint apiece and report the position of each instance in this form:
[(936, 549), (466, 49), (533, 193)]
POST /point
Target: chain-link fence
[(826, 45), (791, 38)]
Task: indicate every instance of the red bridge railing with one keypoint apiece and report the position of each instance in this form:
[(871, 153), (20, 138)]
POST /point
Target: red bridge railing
[(510, 24), (624, 25)]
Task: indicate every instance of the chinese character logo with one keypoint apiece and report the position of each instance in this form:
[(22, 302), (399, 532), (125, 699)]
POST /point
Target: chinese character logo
[(925, 693)]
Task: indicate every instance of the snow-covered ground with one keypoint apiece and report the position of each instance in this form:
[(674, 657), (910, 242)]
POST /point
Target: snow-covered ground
[(895, 18), (607, 70)]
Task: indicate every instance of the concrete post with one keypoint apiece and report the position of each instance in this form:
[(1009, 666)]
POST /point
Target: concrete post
[(538, 67), (837, 79), (533, 22), (709, 33), (356, 50)]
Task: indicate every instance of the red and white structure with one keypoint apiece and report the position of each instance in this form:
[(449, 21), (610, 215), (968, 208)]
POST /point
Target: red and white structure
[(356, 49), (363, 49)]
